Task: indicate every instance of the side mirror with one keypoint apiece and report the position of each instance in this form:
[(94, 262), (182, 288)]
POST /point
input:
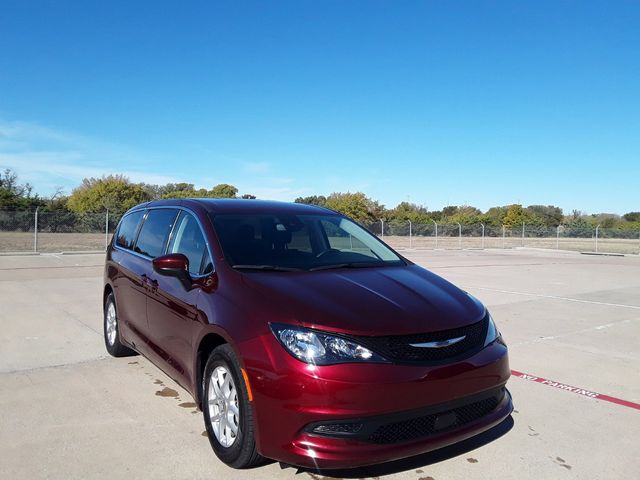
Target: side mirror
[(174, 265)]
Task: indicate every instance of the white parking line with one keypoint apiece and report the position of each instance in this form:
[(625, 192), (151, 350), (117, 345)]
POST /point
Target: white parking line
[(554, 297), (568, 334)]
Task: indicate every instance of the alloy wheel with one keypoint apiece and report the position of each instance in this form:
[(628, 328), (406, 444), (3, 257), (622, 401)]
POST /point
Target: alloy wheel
[(224, 413)]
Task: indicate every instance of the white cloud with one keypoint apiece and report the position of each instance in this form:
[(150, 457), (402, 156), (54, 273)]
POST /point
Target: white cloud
[(48, 158)]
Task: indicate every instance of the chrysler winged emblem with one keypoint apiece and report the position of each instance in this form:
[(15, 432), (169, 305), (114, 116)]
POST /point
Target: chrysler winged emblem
[(439, 344)]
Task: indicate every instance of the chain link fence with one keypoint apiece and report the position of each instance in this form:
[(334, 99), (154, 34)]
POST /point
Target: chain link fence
[(407, 235), (55, 231), (63, 231)]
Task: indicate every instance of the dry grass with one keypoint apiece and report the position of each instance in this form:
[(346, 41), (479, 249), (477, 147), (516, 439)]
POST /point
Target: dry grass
[(607, 245), (75, 242), (51, 242)]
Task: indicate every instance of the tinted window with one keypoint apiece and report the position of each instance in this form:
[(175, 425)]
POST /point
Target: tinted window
[(155, 231), (127, 230), (298, 242), (188, 239)]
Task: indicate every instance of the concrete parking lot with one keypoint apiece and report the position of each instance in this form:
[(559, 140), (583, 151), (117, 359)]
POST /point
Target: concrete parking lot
[(67, 410)]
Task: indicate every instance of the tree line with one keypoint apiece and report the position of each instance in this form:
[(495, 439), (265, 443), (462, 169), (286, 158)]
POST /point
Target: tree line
[(117, 194)]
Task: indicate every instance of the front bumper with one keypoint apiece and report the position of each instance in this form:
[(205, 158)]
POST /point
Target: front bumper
[(292, 398)]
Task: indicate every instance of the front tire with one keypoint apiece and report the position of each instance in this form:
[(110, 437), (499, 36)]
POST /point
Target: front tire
[(111, 333), (228, 416)]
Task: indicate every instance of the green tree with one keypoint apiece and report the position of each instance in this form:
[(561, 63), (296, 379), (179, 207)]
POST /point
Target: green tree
[(223, 190), (546, 215), (632, 217), (112, 192), (356, 206), (448, 211), (494, 217), (157, 192), (607, 220), (187, 190), (515, 216), (16, 195), (319, 200), (406, 211), (464, 214)]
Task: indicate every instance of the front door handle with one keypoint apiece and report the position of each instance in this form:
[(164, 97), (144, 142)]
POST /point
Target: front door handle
[(148, 283)]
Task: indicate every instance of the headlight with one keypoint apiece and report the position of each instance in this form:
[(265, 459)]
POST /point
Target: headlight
[(319, 348), (492, 332)]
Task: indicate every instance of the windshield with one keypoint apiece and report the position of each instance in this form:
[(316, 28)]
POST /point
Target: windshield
[(298, 242)]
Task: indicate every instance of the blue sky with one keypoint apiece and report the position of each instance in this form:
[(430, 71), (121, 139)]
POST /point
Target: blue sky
[(438, 102)]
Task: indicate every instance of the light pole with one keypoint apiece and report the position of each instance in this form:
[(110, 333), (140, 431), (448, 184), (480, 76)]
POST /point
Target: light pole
[(410, 241), (459, 236), (482, 235), (382, 229), (597, 228)]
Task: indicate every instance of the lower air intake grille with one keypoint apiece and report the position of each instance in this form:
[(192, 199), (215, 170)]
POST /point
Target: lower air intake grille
[(424, 426)]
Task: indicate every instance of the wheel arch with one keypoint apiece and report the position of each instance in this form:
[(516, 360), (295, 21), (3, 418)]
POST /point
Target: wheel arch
[(207, 344), (108, 289)]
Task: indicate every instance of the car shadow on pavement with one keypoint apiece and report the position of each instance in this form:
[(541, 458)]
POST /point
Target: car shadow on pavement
[(419, 461)]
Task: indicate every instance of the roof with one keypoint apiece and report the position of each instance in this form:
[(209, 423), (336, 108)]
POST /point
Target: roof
[(240, 205)]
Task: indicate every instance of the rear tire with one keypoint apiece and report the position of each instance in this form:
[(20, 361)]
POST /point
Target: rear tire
[(228, 416), (111, 330)]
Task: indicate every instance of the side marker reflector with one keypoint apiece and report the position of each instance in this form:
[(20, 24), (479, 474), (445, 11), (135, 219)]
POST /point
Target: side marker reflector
[(246, 381)]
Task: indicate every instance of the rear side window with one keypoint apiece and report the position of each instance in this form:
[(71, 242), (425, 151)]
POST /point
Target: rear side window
[(188, 239), (127, 231), (155, 231)]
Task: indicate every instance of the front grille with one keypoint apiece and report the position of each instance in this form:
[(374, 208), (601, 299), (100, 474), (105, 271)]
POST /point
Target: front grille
[(398, 348), (423, 426)]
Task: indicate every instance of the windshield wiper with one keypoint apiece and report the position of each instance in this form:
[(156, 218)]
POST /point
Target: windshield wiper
[(274, 268), (347, 265)]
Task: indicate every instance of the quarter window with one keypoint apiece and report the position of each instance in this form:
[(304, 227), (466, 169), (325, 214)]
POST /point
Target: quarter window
[(155, 231)]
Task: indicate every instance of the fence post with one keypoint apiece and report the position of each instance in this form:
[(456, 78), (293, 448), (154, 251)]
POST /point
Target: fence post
[(482, 235), (523, 234), (382, 229), (597, 228), (460, 236), (410, 240), (503, 234), (436, 224), (558, 237), (106, 231), (35, 231)]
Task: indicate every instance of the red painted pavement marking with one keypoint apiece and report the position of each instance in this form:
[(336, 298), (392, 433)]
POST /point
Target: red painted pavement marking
[(577, 390)]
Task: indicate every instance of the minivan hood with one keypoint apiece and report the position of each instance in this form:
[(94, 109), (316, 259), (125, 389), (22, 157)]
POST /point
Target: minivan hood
[(367, 301)]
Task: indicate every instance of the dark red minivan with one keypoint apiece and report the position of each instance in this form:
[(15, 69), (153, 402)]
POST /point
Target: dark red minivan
[(302, 336)]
